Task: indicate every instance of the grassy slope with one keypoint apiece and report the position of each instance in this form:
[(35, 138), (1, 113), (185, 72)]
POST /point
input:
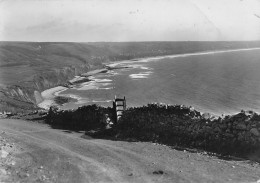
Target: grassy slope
[(38, 66)]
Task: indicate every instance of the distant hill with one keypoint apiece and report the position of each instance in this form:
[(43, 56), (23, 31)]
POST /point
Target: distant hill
[(27, 68)]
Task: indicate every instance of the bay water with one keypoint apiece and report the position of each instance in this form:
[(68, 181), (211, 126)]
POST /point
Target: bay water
[(215, 82)]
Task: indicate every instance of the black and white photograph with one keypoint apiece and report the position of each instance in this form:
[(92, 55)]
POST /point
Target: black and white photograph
[(130, 91)]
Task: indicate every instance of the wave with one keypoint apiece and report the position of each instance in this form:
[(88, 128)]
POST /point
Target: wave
[(140, 75), (94, 86), (103, 80)]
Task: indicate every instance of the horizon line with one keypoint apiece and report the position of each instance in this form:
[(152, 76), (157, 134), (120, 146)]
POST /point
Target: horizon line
[(124, 41)]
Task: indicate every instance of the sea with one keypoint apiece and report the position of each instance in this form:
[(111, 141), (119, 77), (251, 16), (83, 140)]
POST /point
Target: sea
[(218, 82)]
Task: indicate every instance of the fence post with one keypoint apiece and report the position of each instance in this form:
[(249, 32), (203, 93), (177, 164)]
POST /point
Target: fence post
[(114, 112), (116, 107), (124, 104)]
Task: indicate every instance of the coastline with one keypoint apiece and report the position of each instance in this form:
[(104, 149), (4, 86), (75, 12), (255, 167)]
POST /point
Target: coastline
[(147, 59), (50, 94)]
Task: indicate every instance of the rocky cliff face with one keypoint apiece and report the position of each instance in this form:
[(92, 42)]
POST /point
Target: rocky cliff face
[(30, 91)]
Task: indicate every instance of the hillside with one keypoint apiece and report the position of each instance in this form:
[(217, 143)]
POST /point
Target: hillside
[(27, 68), (34, 152)]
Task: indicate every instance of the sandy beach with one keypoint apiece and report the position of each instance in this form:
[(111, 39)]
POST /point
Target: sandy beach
[(49, 95)]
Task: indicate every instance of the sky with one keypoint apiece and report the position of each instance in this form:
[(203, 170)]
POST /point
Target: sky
[(129, 20)]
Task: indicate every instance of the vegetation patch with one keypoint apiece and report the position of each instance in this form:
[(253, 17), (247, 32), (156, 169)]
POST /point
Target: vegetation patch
[(89, 117), (184, 126), (172, 125)]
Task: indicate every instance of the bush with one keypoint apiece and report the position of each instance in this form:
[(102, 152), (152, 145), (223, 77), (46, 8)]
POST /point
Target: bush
[(173, 125), (84, 118), (179, 125)]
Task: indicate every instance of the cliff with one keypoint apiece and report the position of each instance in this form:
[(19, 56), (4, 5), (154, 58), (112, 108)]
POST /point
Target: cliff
[(28, 68)]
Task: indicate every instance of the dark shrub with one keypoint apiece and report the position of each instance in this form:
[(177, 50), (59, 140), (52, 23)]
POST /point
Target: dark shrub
[(84, 118)]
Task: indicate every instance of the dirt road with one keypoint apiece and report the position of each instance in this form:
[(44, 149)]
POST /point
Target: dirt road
[(33, 152)]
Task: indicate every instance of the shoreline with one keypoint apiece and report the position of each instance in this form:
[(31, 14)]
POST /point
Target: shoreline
[(147, 59), (50, 94)]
